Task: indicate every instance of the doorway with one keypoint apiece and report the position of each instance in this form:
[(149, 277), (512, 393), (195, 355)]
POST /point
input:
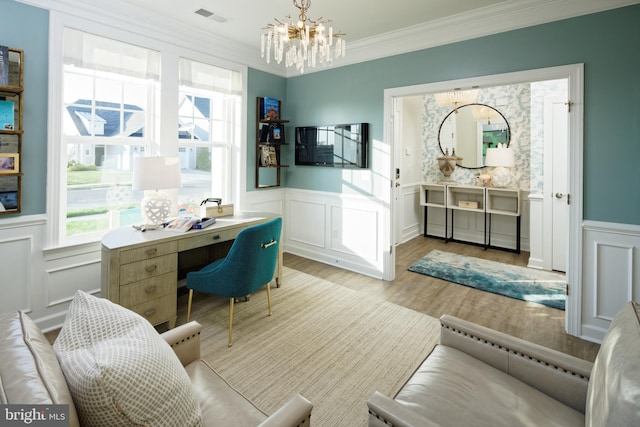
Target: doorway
[(573, 74)]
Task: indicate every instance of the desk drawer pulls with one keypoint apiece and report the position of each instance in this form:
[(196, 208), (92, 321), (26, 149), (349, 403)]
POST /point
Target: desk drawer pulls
[(151, 268), (150, 312), (152, 251), (271, 243), (151, 289)]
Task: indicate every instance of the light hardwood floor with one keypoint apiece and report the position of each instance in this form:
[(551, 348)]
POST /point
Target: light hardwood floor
[(435, 297)]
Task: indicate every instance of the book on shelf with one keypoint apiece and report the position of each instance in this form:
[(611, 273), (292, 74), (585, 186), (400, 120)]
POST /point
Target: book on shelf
[(186, 223), (4, 66), (269, 109), (7, 115), (268, 156)]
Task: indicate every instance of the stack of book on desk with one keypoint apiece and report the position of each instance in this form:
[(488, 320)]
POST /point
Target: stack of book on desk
[(187, 223)]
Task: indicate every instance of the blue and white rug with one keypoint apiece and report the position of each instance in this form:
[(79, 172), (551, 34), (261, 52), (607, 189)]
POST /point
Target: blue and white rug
[(523, 283)]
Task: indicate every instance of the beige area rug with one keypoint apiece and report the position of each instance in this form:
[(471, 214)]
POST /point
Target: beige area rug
[(333, 345)]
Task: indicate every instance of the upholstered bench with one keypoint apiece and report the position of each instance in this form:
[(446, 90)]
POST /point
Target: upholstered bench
[(481, 377)]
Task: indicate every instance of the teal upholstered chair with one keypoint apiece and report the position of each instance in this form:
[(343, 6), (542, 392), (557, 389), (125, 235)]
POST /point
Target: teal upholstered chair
[(249, 265)]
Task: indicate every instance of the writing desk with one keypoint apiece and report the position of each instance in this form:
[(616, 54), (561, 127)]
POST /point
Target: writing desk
[(140, 270)]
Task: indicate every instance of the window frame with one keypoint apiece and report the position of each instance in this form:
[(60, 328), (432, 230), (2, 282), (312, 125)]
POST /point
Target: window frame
[(166, 121)]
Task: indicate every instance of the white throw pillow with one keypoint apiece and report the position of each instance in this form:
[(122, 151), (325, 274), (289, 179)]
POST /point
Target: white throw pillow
[(120, 370)]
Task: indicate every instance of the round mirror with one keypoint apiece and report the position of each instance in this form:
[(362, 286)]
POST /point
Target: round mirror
[(469, 130)]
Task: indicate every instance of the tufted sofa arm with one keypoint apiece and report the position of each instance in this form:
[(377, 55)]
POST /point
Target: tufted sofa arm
[(561, 376), (185, 341)]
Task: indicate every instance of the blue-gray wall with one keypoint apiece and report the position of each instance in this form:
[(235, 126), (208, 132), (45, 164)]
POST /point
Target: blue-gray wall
[(27, 28), (607, 43)]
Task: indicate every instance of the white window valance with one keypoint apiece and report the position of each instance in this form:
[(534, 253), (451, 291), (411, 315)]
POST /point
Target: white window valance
[(93, 52), (209, 77)]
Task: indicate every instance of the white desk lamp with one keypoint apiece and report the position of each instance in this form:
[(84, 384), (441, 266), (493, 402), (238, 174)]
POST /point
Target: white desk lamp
[(502, 159), (156, 173)]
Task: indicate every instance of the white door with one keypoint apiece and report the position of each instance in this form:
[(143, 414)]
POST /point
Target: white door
[(556, 183), (396, 182)]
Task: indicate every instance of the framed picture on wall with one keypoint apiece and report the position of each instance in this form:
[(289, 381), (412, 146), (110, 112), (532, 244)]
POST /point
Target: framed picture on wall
[(9, 163), (277, 133)]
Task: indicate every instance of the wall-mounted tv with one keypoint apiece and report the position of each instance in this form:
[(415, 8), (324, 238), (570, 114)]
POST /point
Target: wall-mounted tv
[(339, 146)]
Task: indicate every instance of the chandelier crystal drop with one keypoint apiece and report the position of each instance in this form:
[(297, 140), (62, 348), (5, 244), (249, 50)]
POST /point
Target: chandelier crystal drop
[(308, 41)]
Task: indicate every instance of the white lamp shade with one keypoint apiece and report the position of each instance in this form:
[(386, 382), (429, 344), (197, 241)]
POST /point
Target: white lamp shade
[(156, 173), (501, 156)]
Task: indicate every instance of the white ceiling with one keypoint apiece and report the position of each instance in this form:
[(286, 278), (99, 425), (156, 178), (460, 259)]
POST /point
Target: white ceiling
[(360, 19), (373, 28)]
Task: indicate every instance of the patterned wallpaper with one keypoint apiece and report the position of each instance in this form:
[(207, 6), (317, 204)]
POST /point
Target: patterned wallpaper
[(523, 107), (514, 102)]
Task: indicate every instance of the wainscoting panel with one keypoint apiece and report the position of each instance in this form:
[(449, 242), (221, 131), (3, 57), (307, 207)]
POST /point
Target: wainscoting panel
[(15, 253), (63, 282), (349, 233), (307, 223), (411, 214), (271, 201), (336, 229), (536, 256), (611, 274)]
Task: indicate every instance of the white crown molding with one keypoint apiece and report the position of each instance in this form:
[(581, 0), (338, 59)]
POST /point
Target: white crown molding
[(504, 16)]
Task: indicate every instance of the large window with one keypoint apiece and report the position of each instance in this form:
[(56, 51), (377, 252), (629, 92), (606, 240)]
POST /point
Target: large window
[(209, 108), (113, 107)]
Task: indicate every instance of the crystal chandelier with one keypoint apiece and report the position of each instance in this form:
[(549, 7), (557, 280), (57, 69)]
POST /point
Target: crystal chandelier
[(306, 41), (456, 98)]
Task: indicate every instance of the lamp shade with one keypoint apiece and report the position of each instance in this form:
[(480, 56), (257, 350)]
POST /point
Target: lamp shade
[(501, 156), (156, 173)]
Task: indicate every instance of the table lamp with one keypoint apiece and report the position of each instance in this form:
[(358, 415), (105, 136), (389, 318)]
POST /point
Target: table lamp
[(502, 159), (156, 173)]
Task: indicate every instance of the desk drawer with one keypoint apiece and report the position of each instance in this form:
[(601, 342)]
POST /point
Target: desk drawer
[(136, 271), (205, 239), (148, 289), (158, 310), (147, 252)]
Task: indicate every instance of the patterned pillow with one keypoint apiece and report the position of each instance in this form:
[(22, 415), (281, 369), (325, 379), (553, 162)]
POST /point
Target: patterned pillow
[(119, 370)]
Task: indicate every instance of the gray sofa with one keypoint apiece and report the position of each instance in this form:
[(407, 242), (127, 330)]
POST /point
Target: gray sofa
[(30, 374), (481, 377)]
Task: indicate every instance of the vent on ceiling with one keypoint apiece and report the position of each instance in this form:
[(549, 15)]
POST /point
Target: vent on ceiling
[(213, 16)]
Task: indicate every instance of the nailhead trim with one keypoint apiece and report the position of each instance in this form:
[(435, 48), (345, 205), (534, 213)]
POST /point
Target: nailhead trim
[(520, 354), (380, 418), (185, 339)]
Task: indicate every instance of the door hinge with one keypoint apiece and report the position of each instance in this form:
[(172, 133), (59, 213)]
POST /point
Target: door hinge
[(566, 290)]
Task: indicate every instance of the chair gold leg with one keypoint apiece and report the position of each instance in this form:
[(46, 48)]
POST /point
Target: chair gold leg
[(269, 297), (189, 305), (230, 320)]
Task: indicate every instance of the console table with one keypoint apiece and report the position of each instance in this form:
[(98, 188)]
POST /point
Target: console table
[(140, 270), (485, 200)]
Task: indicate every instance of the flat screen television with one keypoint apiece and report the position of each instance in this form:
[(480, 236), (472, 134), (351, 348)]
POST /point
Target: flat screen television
[(339, 146)]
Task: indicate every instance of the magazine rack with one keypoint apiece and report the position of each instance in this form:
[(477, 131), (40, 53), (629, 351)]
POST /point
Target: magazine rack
[(270, 137), (11, 89)]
